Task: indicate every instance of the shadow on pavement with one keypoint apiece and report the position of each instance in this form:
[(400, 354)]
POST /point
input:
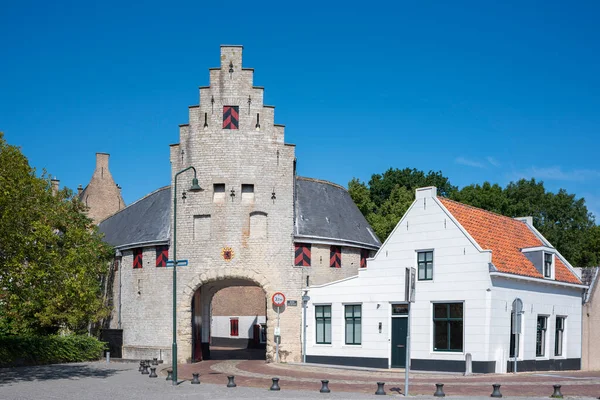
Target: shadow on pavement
[(52, 372), (229, 353)]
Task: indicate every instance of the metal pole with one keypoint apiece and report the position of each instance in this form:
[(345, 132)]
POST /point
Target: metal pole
[(407, 362), (304, 333), (174, 347), (516, 352), (277, 340)]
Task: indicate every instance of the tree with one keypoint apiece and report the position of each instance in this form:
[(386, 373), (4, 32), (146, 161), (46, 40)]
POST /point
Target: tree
[(387, 197), (52, 258)]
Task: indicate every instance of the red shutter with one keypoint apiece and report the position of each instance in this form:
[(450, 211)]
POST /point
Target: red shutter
[(162, 255), (137, 258), (234, 327), (335, 257), (302, 255), (231, 117), (364, 254)]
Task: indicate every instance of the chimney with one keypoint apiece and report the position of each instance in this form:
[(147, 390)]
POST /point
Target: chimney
[(79, 190), (102, 163), (55, 183), (231, 57), (422, 193)]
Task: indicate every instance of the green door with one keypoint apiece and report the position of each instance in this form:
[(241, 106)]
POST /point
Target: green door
[(399, 328)]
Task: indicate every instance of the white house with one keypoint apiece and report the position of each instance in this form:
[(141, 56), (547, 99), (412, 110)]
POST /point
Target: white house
[(470, 266)]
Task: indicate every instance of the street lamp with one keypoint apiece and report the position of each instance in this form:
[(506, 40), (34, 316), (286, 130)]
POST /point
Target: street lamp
[(194, 188)]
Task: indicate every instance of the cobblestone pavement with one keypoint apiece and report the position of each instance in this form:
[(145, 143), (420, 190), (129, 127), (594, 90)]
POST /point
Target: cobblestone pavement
[(83, 381)]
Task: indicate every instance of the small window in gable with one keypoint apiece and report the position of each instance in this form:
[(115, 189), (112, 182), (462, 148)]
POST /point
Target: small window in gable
[(219, 192), (335, 257), (162, 256), (137, 257), (231, 115), (302, 255), (548, 261), (247, 193)]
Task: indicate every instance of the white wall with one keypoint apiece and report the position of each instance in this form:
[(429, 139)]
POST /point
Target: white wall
[(220, 326)]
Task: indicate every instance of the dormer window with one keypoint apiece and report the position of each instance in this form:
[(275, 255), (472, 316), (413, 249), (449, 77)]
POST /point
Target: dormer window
[(548, 258)]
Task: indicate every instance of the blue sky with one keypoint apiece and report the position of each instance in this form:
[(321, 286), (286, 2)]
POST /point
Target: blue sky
[(480, 90)]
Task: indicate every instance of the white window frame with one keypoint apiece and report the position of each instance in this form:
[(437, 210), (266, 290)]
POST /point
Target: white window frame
[(315, 343), (552, 269), (432, 264), (344, 344), (545, 356)]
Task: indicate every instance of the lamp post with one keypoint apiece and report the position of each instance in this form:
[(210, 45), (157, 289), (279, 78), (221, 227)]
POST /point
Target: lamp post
[(194, 188)]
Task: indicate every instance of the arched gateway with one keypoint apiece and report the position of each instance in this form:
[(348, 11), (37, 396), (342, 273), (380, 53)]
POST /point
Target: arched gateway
[(255, 222)]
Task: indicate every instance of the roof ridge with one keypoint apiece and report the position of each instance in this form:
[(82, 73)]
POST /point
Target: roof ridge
[(304, 178), (135, 202), (480, 209)]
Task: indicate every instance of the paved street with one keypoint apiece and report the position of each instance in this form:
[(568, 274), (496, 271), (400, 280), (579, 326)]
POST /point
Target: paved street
[(123, 381)]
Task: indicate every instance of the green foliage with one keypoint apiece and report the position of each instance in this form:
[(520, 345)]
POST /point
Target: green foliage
[(36, 350), (389, 195), (562, 218), (52, 257)]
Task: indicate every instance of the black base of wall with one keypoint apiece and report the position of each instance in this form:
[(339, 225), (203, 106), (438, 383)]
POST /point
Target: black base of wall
[(366, 362), (545, 365), (236, 343), (479, 367)]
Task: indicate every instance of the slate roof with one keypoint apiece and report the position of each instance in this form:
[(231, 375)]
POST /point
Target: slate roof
[(326, 210), (505, 237), (146, 220)]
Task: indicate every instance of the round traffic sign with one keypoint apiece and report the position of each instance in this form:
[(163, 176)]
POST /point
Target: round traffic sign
[(278, 299)]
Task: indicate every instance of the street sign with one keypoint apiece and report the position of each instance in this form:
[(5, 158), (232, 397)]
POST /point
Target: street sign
[(277, 331), (409, 285), (180, 263), (517, 316), (305, 298), (292, 303), (278, 299)]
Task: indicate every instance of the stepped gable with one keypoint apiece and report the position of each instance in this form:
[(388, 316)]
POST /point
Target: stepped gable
[(145, 221), (326, 210), (505, 237)]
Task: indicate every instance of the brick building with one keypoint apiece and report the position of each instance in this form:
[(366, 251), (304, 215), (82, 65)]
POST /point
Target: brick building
[(254, 230)]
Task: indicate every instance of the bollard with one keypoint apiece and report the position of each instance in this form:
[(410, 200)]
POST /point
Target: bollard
[(380, 389), (496, 392), (108, 357), (145, 370), (439, 390), (275, 385), (557, 394), (325, 387), (169, 375), (196, 380), (155, 361), (153, 373), (141, 366), (231, 382)]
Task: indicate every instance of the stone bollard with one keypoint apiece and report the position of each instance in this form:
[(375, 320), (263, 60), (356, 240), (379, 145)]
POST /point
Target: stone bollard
[(439, 390), (145, 370), (496, 392), (153, 373), (155, 361), (275, 385), (169, 375), (231, 382), (380, 389), (325, 387), (141, 366), (557, 394), (196, 379)]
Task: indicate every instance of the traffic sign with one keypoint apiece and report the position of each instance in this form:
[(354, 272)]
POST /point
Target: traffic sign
[(278, 299), (180, 263)]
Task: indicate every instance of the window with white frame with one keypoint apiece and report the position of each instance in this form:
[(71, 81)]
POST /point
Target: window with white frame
[(448, 326), (547, 265), (559, 336), (323, 324), (425, 265), (353, 323), (540, 342)]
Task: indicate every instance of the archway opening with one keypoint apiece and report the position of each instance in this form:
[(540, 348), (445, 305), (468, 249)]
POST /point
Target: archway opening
[(229, 321)]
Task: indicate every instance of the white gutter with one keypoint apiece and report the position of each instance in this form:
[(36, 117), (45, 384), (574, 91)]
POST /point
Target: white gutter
[(537, 280), (334, 241), (142, 244)]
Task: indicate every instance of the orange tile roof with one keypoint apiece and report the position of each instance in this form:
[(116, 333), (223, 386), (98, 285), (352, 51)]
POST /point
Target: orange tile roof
[(505, 237)]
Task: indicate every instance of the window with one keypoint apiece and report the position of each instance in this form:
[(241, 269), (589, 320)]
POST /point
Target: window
[(137, 257), (231, 115), (247, 193), (218, 192), (233, 327), (425, 263), (399, 309), (513, 336), (162, 255), (323, 319), (364, 254), (547, 265), (448, 327), (540, 343), (335, 257), (353, 324), (302, 255), (558, 337)]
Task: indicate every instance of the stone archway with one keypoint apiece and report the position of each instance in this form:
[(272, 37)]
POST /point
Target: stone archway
[(210, 280)]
